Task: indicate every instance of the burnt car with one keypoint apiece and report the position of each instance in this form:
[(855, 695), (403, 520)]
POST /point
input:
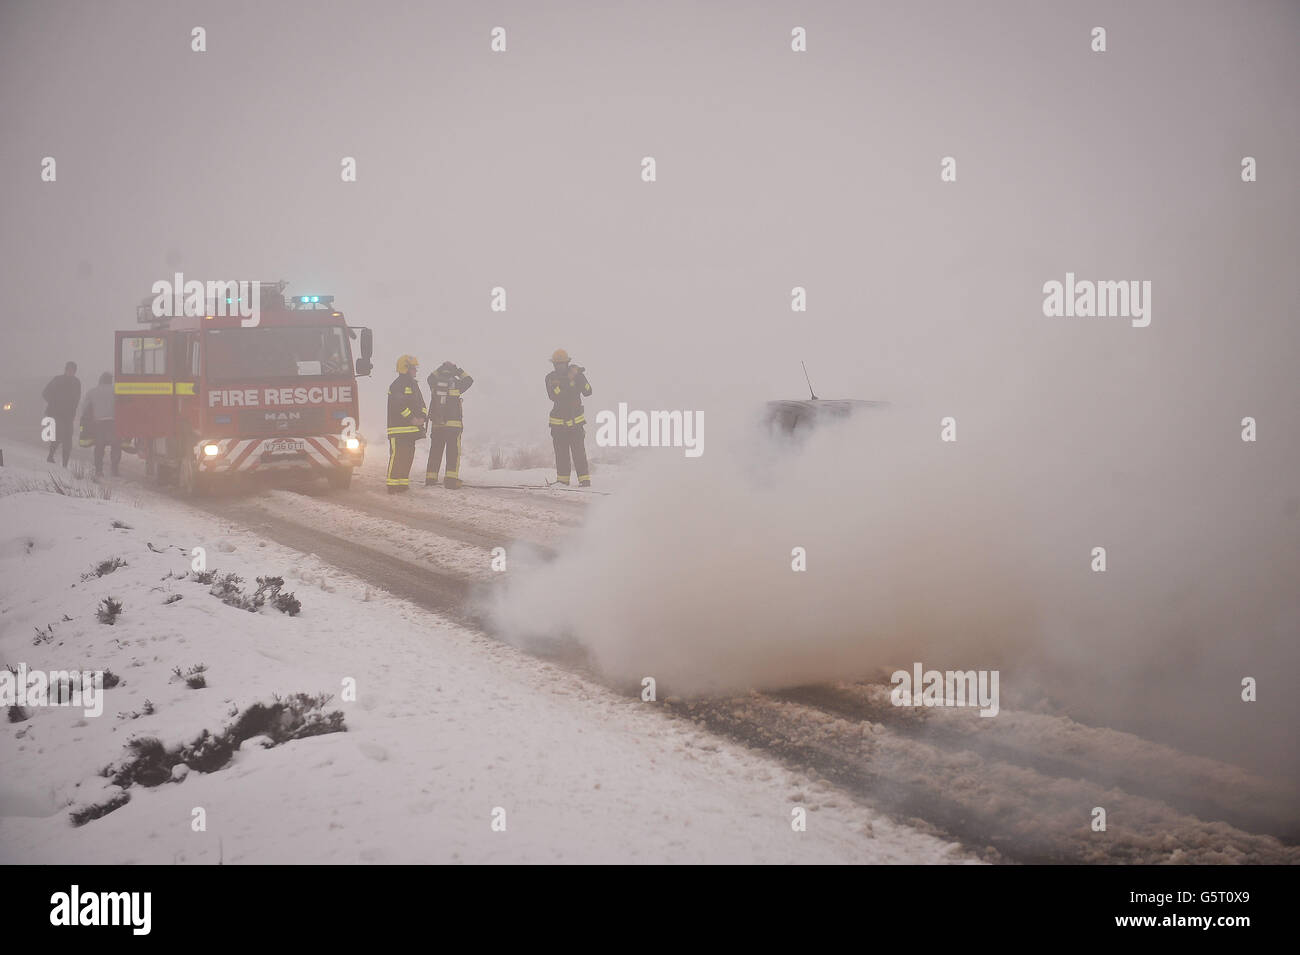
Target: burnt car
[(797, 417)]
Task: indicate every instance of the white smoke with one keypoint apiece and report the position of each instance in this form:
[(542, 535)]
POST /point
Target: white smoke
[(686, 575), (968, 555)]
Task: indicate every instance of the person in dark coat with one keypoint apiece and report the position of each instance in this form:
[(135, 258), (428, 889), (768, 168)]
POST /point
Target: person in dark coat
[(62, 397)]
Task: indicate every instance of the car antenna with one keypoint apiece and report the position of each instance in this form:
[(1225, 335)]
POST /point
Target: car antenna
[(809, 380)]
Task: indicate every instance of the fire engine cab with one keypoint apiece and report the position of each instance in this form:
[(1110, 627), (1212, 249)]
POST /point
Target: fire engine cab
[(212, 397)]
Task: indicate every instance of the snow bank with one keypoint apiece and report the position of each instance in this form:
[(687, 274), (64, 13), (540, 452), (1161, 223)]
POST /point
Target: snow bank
[(447, 726)]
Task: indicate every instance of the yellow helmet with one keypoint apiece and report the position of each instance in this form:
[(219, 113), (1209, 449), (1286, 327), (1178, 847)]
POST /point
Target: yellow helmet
[(559, 355), (407, 363)]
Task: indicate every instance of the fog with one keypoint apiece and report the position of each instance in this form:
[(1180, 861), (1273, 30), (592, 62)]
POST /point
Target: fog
[(957, 556), (775, 170)]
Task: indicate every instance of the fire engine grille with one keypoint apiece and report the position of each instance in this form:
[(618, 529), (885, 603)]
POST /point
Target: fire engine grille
[(289, 421)]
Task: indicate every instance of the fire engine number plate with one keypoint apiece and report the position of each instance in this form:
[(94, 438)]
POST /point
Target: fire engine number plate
[(284, 446)]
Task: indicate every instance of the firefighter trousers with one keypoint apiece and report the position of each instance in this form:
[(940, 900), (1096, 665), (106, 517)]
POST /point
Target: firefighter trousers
[(570, 442), (401, 453), (443, 437)]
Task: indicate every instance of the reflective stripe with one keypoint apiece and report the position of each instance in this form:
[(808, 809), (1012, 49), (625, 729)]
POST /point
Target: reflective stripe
[(584, 477), (452, 424), (410, 430), (562, 479), (570, 422), (453, 393), (557, 389), (406, 412), (408, 391), (153, 388), (142, 388), (392, 458)]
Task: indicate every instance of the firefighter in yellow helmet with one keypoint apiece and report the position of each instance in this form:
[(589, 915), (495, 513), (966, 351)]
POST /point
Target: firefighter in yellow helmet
[(407, 414), (566, 386)]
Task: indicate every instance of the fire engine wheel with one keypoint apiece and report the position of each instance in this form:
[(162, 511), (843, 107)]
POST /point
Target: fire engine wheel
[(188, 478), (340, 478)]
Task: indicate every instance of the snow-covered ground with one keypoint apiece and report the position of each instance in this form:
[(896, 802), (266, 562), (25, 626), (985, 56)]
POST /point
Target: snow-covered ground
[(448, 728)]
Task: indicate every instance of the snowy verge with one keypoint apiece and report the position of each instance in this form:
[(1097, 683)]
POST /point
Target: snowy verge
[(448, 731)]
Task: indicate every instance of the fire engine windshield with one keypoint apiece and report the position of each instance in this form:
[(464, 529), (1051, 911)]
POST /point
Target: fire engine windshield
[(285, 352)]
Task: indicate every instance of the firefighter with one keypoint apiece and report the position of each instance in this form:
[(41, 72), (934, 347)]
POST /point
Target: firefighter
[(407, 414), (97, 415), (566, 386), (446, 425), (62, 397)]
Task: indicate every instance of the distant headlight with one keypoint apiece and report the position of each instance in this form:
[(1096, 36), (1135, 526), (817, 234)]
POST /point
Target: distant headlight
[(353, 444), (211, 450)]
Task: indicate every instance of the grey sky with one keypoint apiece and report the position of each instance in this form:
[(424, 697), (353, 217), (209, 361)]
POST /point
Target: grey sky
[(775, 169)]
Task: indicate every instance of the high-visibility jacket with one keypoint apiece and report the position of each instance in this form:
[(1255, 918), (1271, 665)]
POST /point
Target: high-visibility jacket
[(566, 398), (405, 404), (446, 385)]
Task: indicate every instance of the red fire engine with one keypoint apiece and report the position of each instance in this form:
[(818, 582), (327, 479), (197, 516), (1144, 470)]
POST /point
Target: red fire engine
[(213, 397)]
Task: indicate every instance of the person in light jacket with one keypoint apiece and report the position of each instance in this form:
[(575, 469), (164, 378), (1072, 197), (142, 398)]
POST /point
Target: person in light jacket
[(97, 416)]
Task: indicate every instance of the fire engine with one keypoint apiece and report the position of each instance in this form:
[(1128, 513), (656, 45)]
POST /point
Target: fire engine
[(209, 398)]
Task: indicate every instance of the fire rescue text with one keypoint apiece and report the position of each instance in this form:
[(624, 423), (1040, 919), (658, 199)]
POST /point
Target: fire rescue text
[(278, 397)]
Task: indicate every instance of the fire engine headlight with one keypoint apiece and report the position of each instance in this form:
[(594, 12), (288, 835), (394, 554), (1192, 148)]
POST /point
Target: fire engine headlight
[(211, 450), (353, 444)]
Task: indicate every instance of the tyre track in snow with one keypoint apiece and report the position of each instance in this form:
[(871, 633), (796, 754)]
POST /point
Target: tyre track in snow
[(1203, 787), (1024, 815), (409, 513), (450, 595), (1027, 805)]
